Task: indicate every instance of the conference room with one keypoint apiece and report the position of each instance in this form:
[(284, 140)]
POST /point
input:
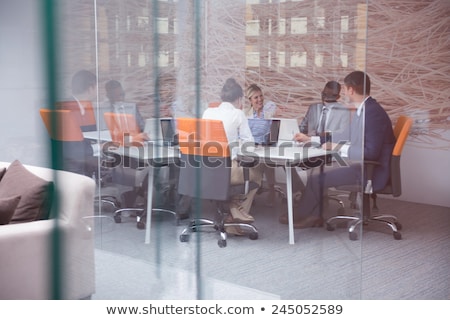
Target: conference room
[(105, 135)]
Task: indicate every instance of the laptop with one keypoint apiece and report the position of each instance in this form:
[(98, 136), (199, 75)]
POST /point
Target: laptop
[(162, 131), (169, 131), (288, 128), (265, 131)]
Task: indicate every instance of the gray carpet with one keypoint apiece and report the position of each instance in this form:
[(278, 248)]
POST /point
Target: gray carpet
[(320, 265), (141, 280)]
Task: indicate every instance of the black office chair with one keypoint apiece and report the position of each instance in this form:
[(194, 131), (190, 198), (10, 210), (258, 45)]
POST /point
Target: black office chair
[(394, 188), (205, 173), (133, 175)]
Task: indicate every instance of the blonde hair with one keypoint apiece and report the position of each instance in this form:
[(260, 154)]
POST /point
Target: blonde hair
[(251, 90)]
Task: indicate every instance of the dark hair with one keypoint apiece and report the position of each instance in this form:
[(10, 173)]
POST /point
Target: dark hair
[(111, 85), (330, 92), (231, 91), (359, 81), (82, 81)]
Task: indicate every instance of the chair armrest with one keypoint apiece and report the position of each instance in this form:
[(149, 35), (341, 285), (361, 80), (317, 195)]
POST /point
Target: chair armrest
[(370, 166), (246, 163)]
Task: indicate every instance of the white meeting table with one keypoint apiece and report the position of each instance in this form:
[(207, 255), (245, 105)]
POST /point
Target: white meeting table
[(152, 156), (287, 155), (102, 135), (149, 155), (99, 137)]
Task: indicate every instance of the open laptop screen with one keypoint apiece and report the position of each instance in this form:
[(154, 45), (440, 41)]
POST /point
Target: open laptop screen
[(265, 131), (168, 130), (162, 131), (288, 128)]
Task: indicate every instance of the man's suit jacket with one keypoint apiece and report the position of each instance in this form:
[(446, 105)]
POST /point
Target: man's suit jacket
[(338, 120), (378, 140)]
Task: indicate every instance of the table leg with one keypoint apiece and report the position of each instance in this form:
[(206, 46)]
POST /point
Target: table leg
[(290, 204), (148, 222)]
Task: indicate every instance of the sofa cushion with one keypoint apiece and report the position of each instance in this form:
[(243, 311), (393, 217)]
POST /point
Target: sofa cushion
[(7, 208), (2, 172), (35, 193)]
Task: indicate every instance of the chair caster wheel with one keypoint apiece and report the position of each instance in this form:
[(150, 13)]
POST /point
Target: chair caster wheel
[(397, 236), (398, 225), (353, 236), (330, 227), (253, 236), (222, 243), (184, 237), (140, 225), (117, 219)]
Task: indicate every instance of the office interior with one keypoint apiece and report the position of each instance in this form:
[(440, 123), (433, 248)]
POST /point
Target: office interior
[(179, 53)]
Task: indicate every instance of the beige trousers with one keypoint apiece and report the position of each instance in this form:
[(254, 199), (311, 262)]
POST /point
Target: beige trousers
[(237, 177)]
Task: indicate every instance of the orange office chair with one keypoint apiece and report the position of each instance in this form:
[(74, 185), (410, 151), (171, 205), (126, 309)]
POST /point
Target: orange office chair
[(394, 187), (61, 125), (87, 120), (122, 127), (63, 128), (205, 173)]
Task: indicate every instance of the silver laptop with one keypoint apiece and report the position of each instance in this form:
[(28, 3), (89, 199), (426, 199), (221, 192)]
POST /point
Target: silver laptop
[(153, 129), (288, 128)]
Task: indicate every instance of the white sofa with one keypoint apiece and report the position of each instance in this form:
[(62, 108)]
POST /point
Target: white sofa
[(26, 255)]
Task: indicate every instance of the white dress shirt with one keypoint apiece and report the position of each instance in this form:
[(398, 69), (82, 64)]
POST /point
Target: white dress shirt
[(234, 122)]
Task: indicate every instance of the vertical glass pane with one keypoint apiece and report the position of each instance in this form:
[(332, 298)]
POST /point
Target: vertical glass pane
[(145, 61), (82, 81)]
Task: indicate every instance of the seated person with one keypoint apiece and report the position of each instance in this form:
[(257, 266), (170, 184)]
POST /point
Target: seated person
[(116, 103), (329, 115), (371, 137), (236, 127), (78, 156), (261, 109)]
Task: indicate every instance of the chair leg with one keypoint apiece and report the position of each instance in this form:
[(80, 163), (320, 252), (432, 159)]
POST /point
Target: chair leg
[(219, 224), (374, 201), (389, 220)]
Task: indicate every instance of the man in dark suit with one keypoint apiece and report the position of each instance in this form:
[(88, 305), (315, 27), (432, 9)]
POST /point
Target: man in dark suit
[(371, 138)]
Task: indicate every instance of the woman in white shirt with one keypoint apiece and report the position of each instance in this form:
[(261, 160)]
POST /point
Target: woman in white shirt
[(237, 130)]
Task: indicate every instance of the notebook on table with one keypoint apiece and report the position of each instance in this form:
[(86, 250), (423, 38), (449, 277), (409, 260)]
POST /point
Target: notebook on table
[(265, 131)]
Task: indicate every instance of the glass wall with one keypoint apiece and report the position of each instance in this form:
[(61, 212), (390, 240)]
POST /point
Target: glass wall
[(110, 65)]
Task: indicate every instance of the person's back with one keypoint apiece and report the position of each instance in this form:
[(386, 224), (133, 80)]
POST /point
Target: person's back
[(78, 155), (378, 141), (236, 128), (84, 91)]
